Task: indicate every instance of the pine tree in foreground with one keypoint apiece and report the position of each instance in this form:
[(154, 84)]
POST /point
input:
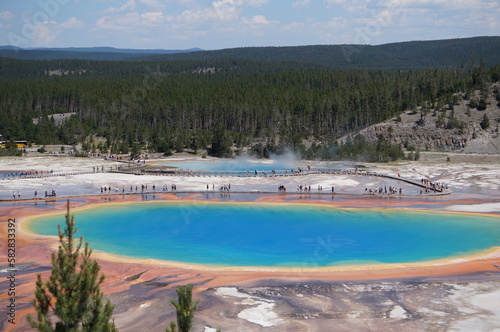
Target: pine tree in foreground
[(185, 309), (72, 292)]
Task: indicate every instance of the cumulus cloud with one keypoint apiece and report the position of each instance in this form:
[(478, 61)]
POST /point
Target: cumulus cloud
[(260, 19), (129, 5), (224, 10), (72, 23), (193, 17), (130, 22), (152, 17), (43, 33), (257, 19), (219, 11)]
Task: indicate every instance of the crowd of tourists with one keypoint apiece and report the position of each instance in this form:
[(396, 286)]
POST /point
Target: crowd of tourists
[(13, 174), (384, 190), (436, 186), (303, 188), (142, 188)]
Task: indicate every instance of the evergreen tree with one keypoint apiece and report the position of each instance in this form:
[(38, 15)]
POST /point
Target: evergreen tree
[(185, 309), (485, 122), (221, 143), (136, 151), (72, 293), (481, 106)]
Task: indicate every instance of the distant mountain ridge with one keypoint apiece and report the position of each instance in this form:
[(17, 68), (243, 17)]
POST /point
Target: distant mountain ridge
[(403, 55), (103, 49), (83, 53)]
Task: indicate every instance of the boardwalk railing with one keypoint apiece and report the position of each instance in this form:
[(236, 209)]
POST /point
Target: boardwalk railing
[(278, 173), (248, 174)]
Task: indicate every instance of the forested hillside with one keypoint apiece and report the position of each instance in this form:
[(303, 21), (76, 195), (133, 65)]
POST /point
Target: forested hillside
[(212, 104), (12, 68), (407, 55)]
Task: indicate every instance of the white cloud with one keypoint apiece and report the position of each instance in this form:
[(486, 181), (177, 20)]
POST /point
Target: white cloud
[(119, 23), (224, 10), (193, 18), (152, 17), (6, 15), (44, 33), (301, 3), (337, 22), (260, 19), (130, 22), (253, 3), (257, 19), (352, 5), (337, 2), (72, 23), (152, 3), (129, 5), (219, 11), (293, 26), (107, 23)]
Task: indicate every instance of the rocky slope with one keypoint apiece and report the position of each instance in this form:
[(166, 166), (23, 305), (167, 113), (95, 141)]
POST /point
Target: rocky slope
[(429, 135)]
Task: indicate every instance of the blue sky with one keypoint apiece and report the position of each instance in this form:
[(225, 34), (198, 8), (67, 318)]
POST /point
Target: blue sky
[(182, 24)]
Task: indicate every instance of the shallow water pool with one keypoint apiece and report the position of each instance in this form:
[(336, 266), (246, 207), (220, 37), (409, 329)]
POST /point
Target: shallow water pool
[(289, 235)]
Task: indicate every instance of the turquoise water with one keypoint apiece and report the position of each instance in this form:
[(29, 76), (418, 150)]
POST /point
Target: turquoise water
[(277, 235), (233, 165)]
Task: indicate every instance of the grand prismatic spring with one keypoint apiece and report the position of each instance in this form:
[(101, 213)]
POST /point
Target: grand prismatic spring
[(407, 261), (277, 235)]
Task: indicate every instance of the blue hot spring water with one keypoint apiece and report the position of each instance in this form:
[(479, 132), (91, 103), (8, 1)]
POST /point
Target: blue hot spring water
[(234, 165), (232, 234)]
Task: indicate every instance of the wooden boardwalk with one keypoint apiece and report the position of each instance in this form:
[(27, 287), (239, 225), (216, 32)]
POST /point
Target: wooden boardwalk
[(241, 174)]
